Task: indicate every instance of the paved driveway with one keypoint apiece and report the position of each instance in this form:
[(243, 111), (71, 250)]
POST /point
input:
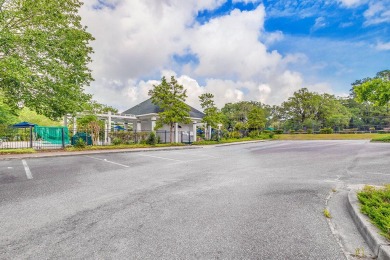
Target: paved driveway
[(252, 201)]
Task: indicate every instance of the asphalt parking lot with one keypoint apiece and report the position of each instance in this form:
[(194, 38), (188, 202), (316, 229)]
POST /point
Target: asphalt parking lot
[(249, 201)]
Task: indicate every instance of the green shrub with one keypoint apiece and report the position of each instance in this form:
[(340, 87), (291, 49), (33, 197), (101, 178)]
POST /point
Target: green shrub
[(254, 134), (235, 134), (80, 143), (271, 135), (215, 137), (326, 131), (117, 141), (309, 131), (279, 131), (291, 132), (152, 139)]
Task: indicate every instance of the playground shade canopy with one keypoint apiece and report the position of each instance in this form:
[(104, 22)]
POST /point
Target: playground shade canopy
[(23, 125)]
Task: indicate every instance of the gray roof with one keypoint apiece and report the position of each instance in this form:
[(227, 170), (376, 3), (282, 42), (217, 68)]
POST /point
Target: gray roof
[(147, 107)]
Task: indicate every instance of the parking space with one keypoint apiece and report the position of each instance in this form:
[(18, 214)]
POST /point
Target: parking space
[(12, 171), (243, 201)]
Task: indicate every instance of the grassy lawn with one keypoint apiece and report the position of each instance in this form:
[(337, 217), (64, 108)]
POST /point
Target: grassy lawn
[(121, 146), (383, 139), (367, 136), (17, 151), (232, 140), (375, 203)]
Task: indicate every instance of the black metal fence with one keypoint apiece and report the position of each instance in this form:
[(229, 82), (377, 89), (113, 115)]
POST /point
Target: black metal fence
[(102, 138), (46, 138), (58, 137)]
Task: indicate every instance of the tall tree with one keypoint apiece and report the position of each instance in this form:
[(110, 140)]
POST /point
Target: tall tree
[(44, 54), (301, 106), (256, 118), (375, 90), (310, 109), (212, 114), (234, 113), (170, 97)]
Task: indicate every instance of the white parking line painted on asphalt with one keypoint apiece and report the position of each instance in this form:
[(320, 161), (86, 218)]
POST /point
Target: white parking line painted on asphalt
[(105, 160), (378, 173), (194, 153), (163, 158), (27, 169)]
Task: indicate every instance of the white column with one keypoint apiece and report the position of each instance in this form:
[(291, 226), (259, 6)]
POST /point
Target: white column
[(209, 132), (105, 132), (176, 132), (153, 123), (74, 125), (109, 121), (65, 120), (109, 127), (194, 129), (138, 126)]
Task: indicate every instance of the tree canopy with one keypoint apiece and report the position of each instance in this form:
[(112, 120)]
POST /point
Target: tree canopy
[(256, 118), (170, 97), (310, 109), (212, 114), (44, 54), (236, 115), (374, 90)]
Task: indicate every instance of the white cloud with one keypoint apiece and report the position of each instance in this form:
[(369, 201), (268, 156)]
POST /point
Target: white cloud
[(246, 1), (383, 46), (136, 41), (352, 3), (320, 22), (232, 48), (377, 13), (270, 38)]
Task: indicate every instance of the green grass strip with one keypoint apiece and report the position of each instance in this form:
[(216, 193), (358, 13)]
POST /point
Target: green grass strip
[(366, 136), (17, 151), (375, 203), (232, 140), (384, 139), (121, 146)]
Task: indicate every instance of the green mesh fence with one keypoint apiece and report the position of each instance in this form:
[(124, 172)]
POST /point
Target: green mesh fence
[(51, 134)]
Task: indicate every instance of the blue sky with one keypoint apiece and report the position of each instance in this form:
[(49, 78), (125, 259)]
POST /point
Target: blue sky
[(235, 49), (334, 36)]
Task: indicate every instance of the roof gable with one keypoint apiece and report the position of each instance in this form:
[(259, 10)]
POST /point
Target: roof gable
[(147, 107)]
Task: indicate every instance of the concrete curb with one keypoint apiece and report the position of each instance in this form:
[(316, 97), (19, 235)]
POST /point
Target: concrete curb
[(76, 153), (370, 233)]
